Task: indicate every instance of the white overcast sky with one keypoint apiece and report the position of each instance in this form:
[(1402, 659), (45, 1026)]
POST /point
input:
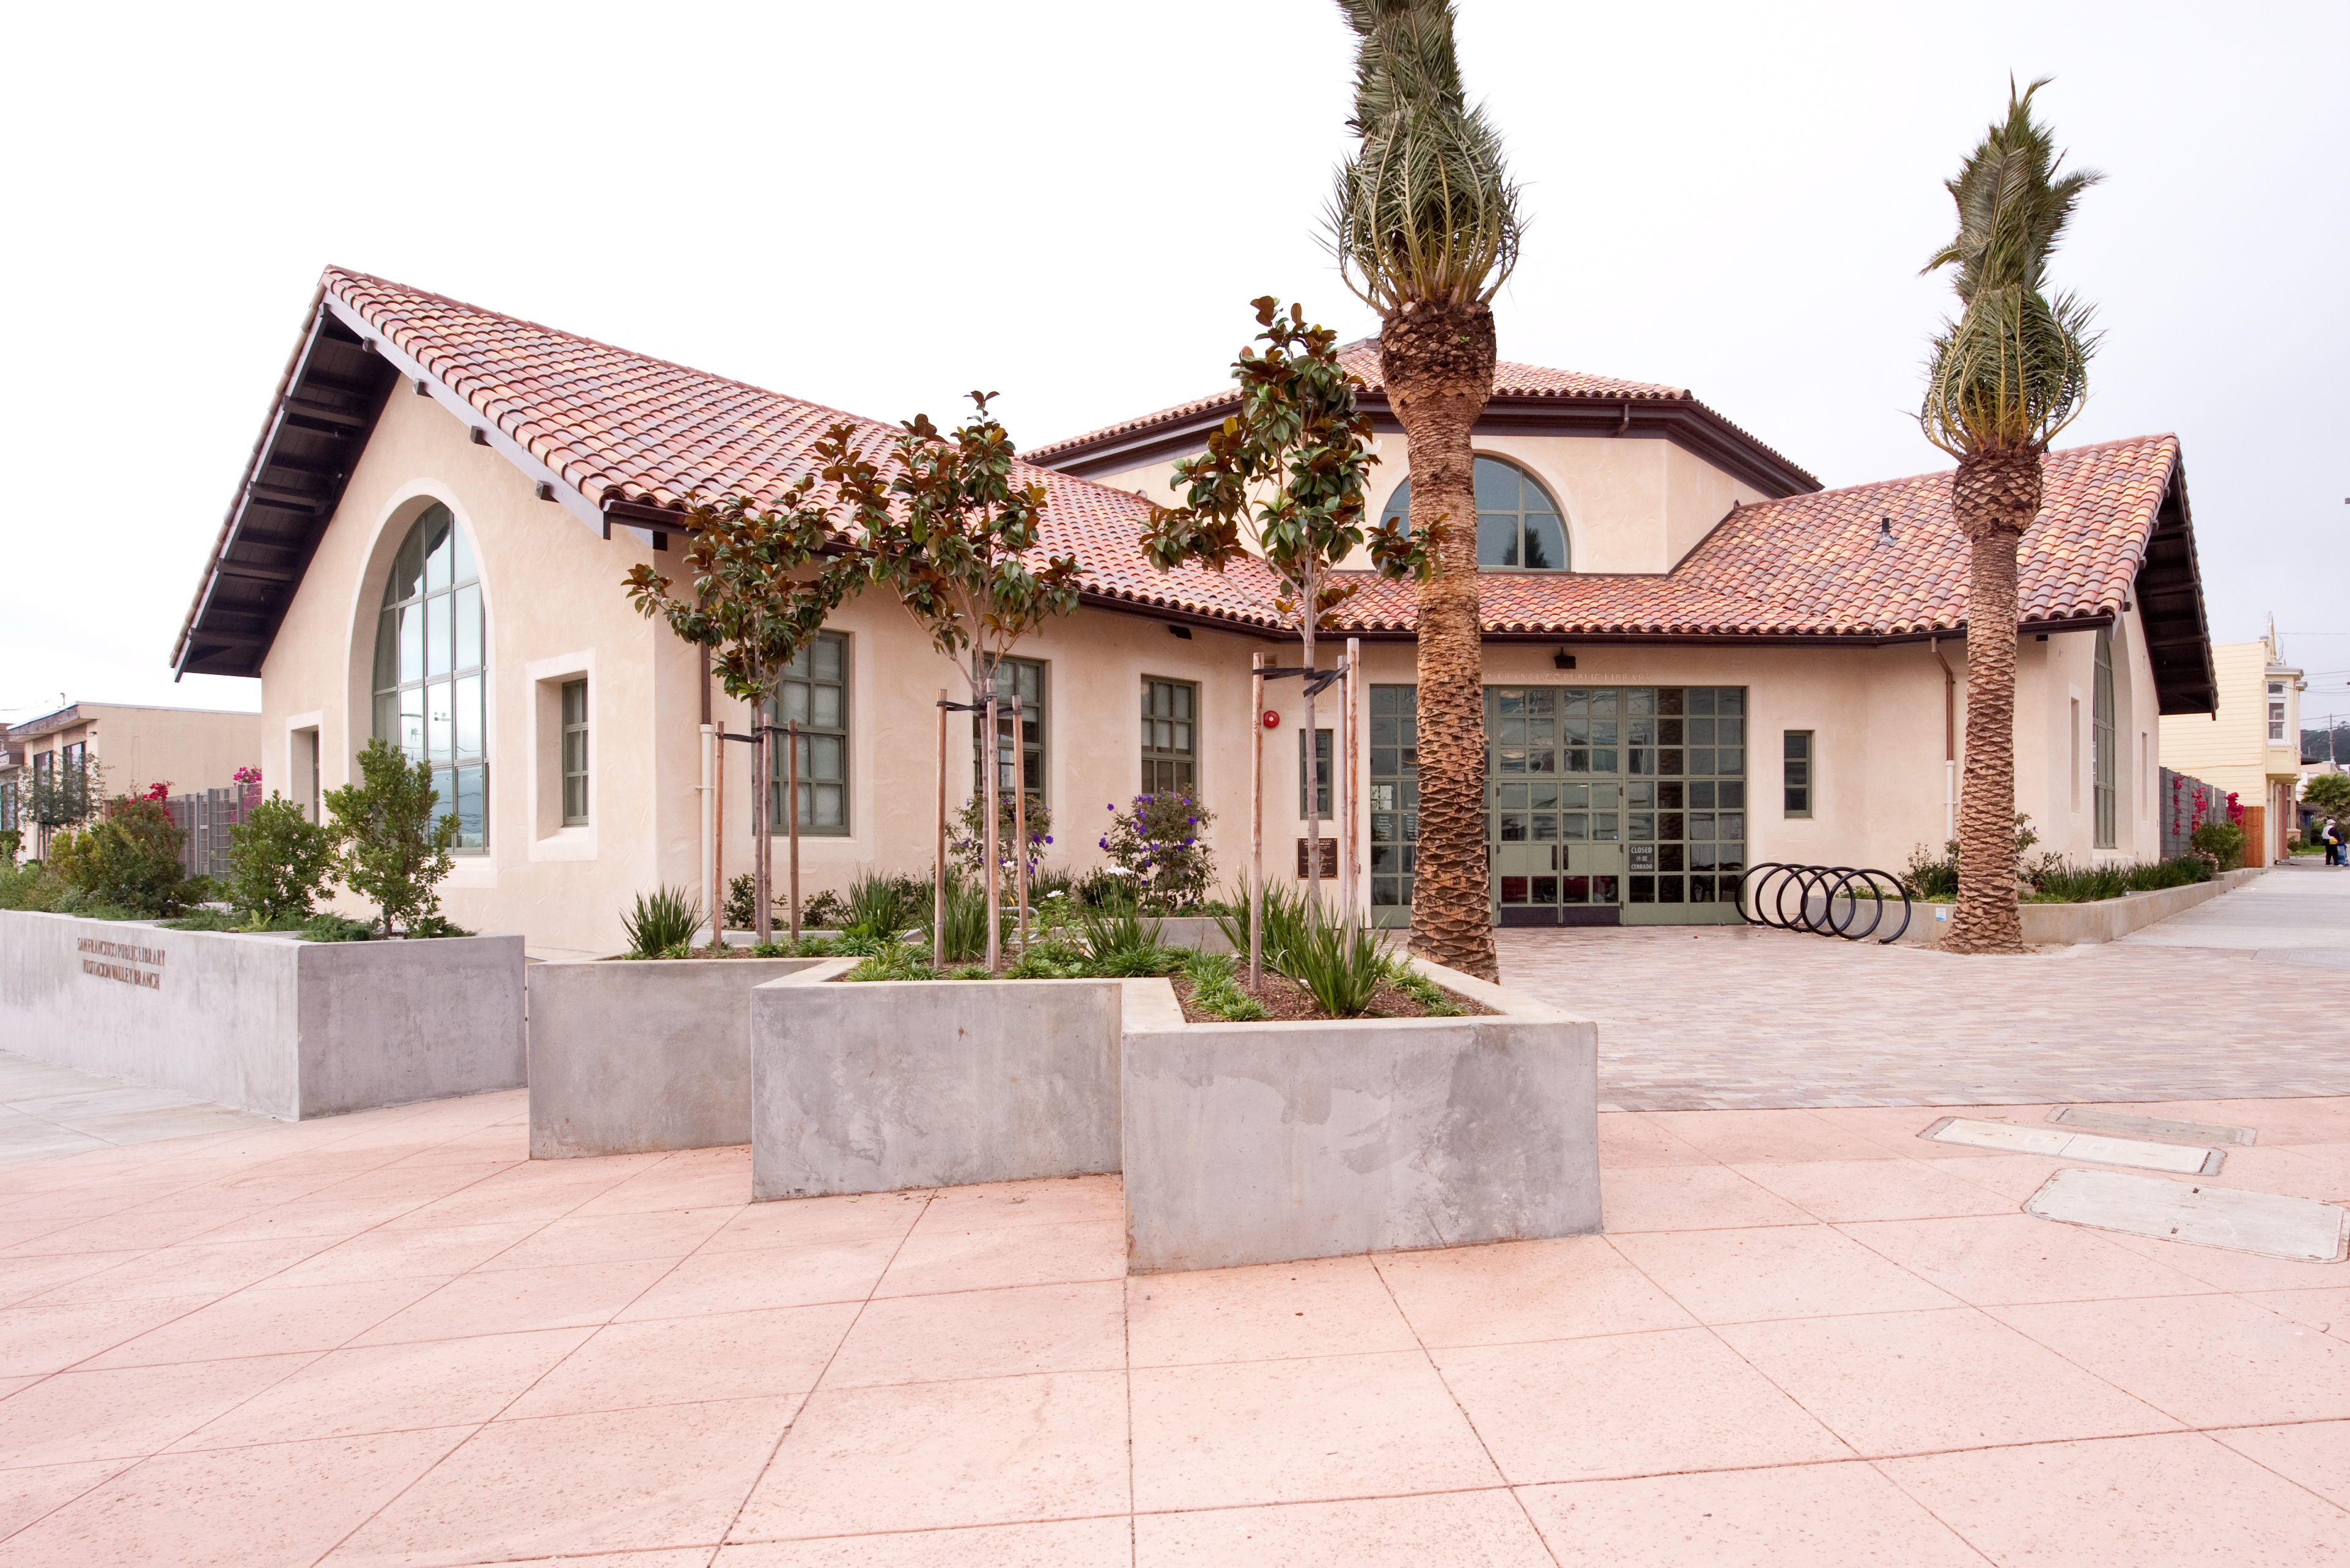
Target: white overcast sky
[(881, 206)]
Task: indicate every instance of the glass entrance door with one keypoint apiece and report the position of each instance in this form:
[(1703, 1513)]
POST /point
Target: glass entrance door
[(1615, 804)]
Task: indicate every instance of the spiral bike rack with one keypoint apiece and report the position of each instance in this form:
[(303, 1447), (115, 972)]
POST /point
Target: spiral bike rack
[(1828, 900)]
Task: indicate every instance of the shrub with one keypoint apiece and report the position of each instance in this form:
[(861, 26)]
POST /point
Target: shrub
[(970, 849), (127, 860), (2222, 841), (1116, 929), (279, 862), (424, 928), (1420, 989), (1284, 921), (966, 919), (334, 927), (12, 839), (1051, 957), (664, 919), (883, 907), (1215, 986), (896, 961), (30, 886), (394, 852), (1341, 967), (827, 911), (205, 919), (1158, 842)]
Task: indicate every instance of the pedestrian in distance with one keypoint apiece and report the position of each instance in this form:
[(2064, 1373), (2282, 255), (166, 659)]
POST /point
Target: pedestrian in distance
[(2331, 836)]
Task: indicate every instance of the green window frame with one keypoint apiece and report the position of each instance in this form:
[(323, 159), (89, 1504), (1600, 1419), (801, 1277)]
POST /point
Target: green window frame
[(7, 807), (1394, 799), (1025, 679), (2101, 745), (431, 669), (1322, 756), (1519, 527), (1800, 758), (1170, 735), (575, 753), (814, 693)]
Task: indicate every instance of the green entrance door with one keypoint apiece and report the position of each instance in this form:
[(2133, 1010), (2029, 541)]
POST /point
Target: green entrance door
[(1610, 805)]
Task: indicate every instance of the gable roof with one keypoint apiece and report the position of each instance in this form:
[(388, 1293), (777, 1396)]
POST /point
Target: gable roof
[(1534, 397), (625, 437)]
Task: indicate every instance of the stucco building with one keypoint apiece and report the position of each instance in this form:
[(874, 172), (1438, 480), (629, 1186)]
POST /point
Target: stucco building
[(134, 746), (1696, 659), (2249, 742)]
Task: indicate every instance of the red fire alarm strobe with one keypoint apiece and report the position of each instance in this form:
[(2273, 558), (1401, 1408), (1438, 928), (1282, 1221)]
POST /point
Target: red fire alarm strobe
[(1272, 720)]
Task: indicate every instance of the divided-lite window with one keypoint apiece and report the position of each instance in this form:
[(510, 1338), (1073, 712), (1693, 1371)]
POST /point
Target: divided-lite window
[(814, 691), (7, 807), (1395, 795), (1321, 774), (575, 753), (1023, 678), (2101, 743), (1797, 751), (431, 656), (2276, 713), (1169, 761), (1518, 524)]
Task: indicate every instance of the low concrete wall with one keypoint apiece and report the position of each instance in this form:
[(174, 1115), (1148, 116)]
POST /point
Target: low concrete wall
[(1250, 1143), (627, 1057), (2077, 925), (268, 1023), (874, 1086)]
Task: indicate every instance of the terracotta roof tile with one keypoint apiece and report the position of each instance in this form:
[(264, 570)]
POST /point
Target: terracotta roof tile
[(618, 425), (1509, 379)]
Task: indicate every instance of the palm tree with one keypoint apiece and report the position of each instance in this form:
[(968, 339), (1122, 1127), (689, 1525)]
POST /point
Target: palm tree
[(2004, 377), (1425, 226)]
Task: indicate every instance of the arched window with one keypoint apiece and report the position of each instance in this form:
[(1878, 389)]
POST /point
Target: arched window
[(431, 659), (1518, 524)]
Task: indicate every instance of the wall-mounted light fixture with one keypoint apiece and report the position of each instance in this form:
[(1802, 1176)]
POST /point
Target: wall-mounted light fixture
[(1563, 659)]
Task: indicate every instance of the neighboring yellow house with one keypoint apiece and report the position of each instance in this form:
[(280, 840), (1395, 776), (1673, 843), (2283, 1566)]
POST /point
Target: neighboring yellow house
[(2250, 744), (190, 749), (1696, 659)]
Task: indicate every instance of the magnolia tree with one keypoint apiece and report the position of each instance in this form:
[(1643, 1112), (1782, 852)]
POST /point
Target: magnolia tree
[(1290, 465), (956, 533), (761, 588)]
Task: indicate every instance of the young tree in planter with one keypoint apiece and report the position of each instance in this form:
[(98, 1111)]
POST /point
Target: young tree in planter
[(1425, 226), (761, 588), (279, 862), (955, 533), (2009, 374), (1291, 465), (394, 851)]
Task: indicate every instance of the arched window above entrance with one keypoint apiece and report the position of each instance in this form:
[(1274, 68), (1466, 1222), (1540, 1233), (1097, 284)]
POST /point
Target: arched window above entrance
[(432, 663), (1519, 526)]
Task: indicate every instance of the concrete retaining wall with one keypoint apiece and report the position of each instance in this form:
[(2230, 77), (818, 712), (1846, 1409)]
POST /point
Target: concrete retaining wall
[(2075, 925), (879, 1086), (268, 1023), (1248, 1142), (627, 1057)]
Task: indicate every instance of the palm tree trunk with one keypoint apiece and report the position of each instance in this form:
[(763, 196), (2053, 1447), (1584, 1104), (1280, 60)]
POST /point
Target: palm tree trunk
[(1995, 497), (1438, 363)]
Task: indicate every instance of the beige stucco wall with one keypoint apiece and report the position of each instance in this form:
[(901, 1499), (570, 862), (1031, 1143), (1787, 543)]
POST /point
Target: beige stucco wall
[(1632, 505), (190, 749)]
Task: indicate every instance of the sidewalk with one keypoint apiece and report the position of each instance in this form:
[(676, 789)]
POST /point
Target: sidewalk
[(1807, 1340), (2299, 913)]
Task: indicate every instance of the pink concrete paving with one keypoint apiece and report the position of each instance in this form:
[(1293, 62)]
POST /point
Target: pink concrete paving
[(1808, 1339)]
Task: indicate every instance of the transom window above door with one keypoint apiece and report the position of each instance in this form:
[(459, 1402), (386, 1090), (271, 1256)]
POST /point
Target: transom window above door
[(1519, 526)]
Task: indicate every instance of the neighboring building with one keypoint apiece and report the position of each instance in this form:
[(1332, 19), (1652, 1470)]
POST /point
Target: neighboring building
[(187, 748), (2250, 743), (12, 789), (1696, 661)]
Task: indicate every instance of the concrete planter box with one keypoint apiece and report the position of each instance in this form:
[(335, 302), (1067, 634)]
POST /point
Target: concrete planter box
[(879, 1086), (1255, 1143), (267, 1023), (2077, 925), (629, 1057)]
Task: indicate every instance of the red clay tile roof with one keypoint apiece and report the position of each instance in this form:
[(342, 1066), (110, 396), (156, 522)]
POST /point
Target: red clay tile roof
[(622, 426), (618, 425), (1811, 566), (1362, 357)]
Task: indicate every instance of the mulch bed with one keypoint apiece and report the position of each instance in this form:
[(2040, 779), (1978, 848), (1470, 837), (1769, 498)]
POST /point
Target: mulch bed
[(1290, 1003)]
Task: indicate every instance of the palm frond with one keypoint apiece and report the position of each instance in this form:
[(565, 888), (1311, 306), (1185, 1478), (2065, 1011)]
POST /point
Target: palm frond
[(2013, 371), (1425, 210)]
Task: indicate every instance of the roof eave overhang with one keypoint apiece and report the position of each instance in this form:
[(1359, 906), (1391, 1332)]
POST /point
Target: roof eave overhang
[(2167, 590)]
